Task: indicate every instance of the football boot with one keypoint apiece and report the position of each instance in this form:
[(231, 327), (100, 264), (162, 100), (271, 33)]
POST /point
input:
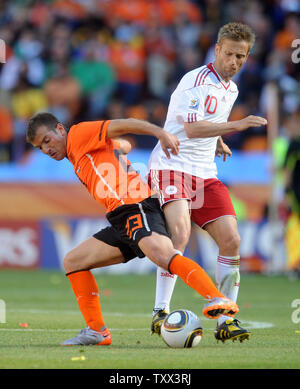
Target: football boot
[(157, 320), (88, 337), (231, 329), (218, 306)]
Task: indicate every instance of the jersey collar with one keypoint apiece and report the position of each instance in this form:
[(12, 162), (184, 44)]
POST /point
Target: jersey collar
[(223, 82)]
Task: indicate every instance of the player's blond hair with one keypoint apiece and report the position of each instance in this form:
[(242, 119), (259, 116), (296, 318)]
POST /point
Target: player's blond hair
[(237, 32)]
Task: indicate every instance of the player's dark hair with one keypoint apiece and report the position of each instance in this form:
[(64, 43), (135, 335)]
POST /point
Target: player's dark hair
[(40, 119), (237, 32)]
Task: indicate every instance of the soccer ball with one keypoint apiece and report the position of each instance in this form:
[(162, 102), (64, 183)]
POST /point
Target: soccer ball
[(181, 329)]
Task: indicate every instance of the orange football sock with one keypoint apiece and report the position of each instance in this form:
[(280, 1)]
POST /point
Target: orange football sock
[(86, 291), (194, 276)]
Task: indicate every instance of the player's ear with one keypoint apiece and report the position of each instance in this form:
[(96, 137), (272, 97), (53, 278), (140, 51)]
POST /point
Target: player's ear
[(60, 128)]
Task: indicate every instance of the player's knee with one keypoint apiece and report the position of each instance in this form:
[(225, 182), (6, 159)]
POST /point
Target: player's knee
[(236, 241), (232, 243), (70, 261), (163, 258), (160, 252), (180, 237), (160, 255), (67, 262), (180, 241)]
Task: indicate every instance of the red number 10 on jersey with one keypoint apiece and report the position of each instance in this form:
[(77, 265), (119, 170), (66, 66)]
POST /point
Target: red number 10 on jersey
[(211, 104)]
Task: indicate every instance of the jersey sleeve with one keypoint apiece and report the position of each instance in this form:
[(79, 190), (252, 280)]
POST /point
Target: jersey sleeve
[(191, 103), (88, 136), (116, 143)]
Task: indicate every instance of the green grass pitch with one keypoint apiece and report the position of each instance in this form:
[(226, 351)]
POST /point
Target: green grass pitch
[(44, 300)]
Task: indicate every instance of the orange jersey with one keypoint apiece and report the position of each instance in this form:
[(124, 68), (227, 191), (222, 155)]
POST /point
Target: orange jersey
[(100, 166)]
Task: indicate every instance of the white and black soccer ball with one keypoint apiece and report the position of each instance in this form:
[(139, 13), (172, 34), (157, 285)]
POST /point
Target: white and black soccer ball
[(181, 329)]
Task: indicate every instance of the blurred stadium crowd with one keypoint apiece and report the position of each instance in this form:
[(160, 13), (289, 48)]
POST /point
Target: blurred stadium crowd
[(90, 59)]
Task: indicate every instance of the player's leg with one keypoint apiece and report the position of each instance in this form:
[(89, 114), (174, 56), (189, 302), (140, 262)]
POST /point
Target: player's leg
[(217, 217), (92, 253), (170, 188), (179, 226), (178, 221), (142, 227), (225, 233), (160, 250)]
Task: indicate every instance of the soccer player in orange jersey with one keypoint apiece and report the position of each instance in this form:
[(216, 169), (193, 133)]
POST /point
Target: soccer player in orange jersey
[(138, 227)]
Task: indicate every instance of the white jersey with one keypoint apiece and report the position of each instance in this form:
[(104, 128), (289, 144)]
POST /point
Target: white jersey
[(200, 95)]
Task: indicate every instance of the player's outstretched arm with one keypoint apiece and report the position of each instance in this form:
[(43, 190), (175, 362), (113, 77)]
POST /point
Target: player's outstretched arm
[(206, 129), (119, 127)]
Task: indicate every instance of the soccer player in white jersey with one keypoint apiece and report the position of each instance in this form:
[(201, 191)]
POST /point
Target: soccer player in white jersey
[(187, 184)]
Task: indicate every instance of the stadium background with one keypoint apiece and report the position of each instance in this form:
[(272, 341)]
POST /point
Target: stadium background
[(91, 59)]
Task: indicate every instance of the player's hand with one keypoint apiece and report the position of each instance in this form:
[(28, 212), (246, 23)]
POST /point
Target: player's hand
[(169, 141), (222, 149), (124, 144), (250, 121)]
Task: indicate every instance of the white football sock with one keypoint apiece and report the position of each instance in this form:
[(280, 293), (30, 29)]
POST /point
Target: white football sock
[(228, 279), (165, 283)]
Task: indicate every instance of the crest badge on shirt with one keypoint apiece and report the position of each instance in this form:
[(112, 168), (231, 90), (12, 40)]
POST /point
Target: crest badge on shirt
[(194, 103)]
